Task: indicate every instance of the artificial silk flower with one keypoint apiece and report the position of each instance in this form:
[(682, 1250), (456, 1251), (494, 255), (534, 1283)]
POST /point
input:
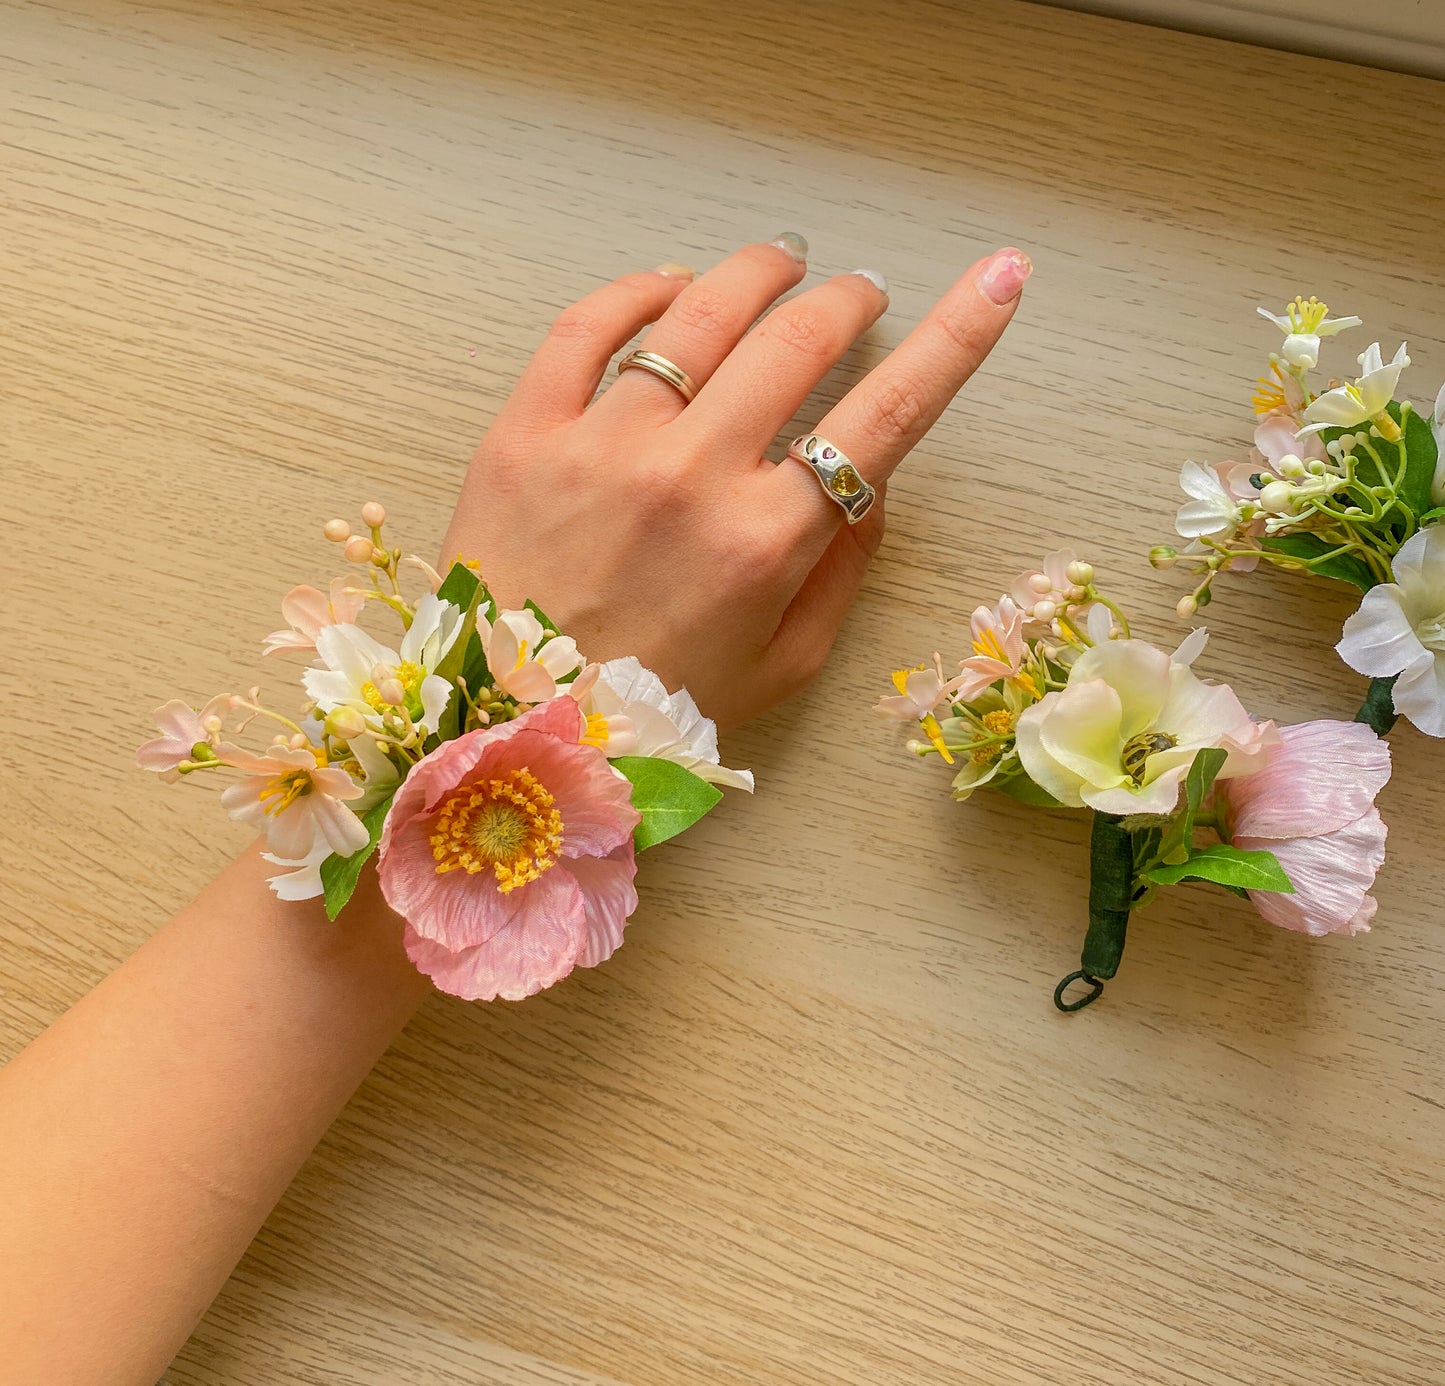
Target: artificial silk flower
[(183, 731), (1437, 486), (295, 798), (1121, 735), (1275, 439), (1313, 806), (1039, 592), (1303, 324), (526, 663), (301, 880), (1212, 507), (999, 651), (629, 712), (1348, 406), (358, 669), (307, 611), (1399, 629), (922, 695), (509, 853)]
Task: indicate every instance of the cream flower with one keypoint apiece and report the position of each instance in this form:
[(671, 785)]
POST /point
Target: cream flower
[(1347, 406), (359, 670), (182, 730), (1399, 629), (295, 798), (1437, 486), (1121, 736), (1303, 324), (630, 713), (307, 611), (526, 662), (999, 651)]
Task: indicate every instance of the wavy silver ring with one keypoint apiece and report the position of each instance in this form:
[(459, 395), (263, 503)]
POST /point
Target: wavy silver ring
[(840, 479)]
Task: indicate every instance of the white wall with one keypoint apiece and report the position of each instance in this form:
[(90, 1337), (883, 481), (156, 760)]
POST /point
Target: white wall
[(1408, 35)]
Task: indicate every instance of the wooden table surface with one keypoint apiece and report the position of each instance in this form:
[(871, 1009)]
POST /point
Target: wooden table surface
[(817, 1121)]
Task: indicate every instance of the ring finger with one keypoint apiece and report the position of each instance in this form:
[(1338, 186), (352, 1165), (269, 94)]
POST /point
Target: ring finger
[(707, 320)]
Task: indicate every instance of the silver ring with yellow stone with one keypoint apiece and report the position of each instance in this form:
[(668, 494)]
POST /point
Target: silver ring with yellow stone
[(840, 479)]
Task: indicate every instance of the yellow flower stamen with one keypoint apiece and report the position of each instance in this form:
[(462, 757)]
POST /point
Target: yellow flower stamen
[(597, 733), (935, 734), (509, 826), (1306, 315), (284, 790), (999, 722), (1270, 395), (989, 646), (900, 677)]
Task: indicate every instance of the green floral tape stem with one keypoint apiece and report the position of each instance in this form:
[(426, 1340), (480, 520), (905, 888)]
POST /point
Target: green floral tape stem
[(1111, 894)]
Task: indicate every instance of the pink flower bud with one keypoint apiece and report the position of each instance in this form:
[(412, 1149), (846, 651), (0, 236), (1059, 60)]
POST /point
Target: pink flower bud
[(1045, 610), (1041, 583), (373, 514), (391, 691), (298, 741), (358, 549), (338, 531)]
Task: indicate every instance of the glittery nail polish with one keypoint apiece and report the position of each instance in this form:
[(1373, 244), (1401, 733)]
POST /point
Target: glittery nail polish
[(1004, 275), (874, 278), (792, 244)]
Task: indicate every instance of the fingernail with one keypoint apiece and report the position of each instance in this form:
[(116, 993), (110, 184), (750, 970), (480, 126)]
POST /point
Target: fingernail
[(673, 269), (874, 278), (791, 243), (1003, 277)]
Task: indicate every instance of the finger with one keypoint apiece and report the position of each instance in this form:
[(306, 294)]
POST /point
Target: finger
[(764, 382), (707, 320), (565, 371), (880, 420), (800, 645)]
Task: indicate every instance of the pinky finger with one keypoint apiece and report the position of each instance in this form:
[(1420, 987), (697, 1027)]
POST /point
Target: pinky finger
[(565, 371)]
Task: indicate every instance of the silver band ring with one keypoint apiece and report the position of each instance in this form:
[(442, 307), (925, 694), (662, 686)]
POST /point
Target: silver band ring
[(840, 479), (662, 368)]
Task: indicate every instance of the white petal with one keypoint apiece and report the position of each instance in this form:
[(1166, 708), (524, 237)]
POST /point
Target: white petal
[(1197, 518), (1201, 482), (1191, 646), (1336, 408), (1378, 640), (1283, 323), (1301, 349), (558, 656), (435, 694), (1330, 326), (338, 825), (1419, 693)]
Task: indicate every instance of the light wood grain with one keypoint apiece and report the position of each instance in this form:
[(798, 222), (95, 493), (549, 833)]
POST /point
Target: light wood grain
[(816, 1122)]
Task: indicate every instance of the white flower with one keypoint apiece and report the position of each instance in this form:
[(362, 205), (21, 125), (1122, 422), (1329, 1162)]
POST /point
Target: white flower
[(1211, 509), (631, 713), (1347, 406), (182, 729), (1437, 486), (1303, 324), (525, 662), (296, 799), (302, 880), (356, 666), (1122, 734), (1400, 629)]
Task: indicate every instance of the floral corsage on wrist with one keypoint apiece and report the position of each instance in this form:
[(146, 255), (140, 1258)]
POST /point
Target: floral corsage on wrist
[(1346, 482), (503, 783), (1060, 706)]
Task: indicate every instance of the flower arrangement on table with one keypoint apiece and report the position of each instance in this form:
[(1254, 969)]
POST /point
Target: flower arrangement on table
[(503, 783), (1059, 705), (1345, 482)]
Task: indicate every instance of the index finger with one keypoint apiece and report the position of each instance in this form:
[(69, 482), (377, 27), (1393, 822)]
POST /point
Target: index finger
[(878, 422)]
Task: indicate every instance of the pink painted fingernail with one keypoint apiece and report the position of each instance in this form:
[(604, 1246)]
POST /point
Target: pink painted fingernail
[(673, 269), (1004, 275)]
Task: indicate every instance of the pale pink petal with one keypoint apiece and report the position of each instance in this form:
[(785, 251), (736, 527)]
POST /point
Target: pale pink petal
[(341, 828), (292, 832), (610, 893), (540, 943), (179, 722), (530, 683), (306, 610), (335, 783)]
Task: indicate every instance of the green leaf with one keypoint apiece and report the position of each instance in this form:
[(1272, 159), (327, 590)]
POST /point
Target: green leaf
[(466, 590), (459, 585), (1378, 709), (1026, 791), (1345, 567), (339, 875), (668, 796), (1202, 772), (1228, 866)]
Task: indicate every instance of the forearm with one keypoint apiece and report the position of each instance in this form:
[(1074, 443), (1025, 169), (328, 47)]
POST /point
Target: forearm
[(146, 1135)]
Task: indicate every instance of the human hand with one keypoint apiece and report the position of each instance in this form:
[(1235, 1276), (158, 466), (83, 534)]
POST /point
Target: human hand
[(645, 525)]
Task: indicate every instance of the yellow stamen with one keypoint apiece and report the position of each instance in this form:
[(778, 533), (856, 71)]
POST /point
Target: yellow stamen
[(284, 790), (900, 677), (509, 826), (988, 646), (596, 733), (1026, 682), (1270, 395), (935, 735), (1306, 316)]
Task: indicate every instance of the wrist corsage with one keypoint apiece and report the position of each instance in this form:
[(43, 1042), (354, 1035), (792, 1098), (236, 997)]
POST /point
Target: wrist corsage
[(1060, 706), (503, 783), (1346, 482)]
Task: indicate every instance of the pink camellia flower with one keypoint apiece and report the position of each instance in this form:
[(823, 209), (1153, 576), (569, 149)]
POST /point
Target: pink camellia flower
[(509, 854), (309, 611), (1313, 806), (182, 729), (295, 798)]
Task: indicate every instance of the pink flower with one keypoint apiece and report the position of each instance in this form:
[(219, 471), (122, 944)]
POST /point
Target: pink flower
[(509, 854), (1277, 438), (998, 649), (1313, 806), (1049, 585), (295, 798), (182, 729), (309, 611)]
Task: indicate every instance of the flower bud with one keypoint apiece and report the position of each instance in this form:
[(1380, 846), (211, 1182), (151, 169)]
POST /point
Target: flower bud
[(392, 692), (1277, 498), (1041, 583), (338, 531), (345, 722), (1045, 609), (1187, 607), (919, 748), (213, 724), (359, 549), (1075, 593), (381, 558), (298, 741), (1081, 574), (1290, 466), (202, 751), (1161, 556), (1317, 468), (373, 514)]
